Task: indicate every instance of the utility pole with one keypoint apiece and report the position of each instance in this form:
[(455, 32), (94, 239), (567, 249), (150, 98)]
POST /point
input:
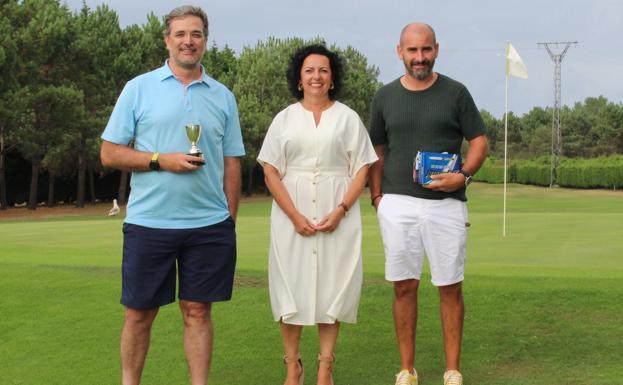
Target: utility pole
[(556, 134)]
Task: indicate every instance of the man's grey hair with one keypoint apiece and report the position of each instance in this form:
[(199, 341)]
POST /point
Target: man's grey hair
[(183, 11)]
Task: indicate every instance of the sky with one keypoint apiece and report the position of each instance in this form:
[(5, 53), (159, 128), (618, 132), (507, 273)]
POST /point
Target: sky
[(472, 36)]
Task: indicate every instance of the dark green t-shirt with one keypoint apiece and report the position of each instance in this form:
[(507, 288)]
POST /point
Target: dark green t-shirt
[(436, 119)]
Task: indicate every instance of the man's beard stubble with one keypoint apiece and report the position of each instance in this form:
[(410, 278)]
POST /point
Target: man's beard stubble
[(423, 74)]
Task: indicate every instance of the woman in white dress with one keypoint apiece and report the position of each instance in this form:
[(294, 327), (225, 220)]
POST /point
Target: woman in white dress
[(316, 156)]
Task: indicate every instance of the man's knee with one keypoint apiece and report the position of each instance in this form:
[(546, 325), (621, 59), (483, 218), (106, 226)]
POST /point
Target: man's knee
[(196, 313), (452, 292), (140, 317), (406, 289)]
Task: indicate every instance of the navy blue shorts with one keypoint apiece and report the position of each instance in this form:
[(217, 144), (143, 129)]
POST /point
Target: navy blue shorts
[(205, 259)]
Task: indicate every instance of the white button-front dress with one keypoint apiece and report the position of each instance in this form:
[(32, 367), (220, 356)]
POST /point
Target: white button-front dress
[(316, 279)]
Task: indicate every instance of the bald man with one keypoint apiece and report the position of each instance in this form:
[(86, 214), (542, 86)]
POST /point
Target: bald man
[(424, 111)]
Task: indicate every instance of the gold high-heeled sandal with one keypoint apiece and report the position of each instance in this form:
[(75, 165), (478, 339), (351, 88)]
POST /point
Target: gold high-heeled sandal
[(297, 359), (328, 360)]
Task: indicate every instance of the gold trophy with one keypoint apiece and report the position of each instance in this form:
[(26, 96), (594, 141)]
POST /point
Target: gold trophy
[(193, 132)]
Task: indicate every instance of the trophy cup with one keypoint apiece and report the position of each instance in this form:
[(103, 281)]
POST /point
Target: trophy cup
[(193, 132)]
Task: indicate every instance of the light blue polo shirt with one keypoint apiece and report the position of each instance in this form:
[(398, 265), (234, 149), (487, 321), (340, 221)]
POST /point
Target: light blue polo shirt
[(153, 109)]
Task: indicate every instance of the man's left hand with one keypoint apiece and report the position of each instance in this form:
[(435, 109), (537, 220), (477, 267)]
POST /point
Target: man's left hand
[(446, 182)]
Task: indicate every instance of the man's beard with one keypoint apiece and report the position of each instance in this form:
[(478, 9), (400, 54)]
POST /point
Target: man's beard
[(421, 74)]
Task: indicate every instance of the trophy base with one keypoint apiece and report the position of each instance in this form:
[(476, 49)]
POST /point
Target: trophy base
[(198, 154)]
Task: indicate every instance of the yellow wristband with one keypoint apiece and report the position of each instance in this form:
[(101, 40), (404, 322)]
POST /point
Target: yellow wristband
[(154, 164)]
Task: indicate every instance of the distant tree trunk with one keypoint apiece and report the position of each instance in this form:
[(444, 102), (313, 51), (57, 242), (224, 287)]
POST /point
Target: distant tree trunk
[(92, 185), (51, 200), (81, 175), (249, 182), (34, 180), (123, 188), (3, 201)]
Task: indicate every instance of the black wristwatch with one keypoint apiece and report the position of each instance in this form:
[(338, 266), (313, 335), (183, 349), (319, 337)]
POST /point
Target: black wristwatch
[(467, 175), (154, 164)]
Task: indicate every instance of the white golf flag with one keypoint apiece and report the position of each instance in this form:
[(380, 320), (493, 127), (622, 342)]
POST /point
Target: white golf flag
[(514, 64)]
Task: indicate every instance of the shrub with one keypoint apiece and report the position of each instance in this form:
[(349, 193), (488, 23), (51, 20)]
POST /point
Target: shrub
[(602, 172)]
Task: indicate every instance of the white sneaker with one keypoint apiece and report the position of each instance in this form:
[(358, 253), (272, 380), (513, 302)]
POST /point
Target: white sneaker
[(452, 377), (406, 378)]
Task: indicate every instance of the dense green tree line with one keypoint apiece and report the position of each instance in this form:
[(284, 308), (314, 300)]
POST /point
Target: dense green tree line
[(589, 129), (61, 72), (592, 129)]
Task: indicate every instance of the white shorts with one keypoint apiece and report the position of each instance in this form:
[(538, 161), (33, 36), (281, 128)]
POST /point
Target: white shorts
[(413, 227)]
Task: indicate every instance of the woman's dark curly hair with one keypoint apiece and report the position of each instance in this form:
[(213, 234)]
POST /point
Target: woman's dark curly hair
[(296, 63)]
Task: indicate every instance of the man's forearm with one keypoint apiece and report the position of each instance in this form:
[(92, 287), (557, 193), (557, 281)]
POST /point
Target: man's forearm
[(123, 157), (231, 184), (476, 154), (376, 172)]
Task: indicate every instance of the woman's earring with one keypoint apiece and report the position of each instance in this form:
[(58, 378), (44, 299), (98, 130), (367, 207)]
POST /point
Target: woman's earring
[(300, 87), (332, 86)]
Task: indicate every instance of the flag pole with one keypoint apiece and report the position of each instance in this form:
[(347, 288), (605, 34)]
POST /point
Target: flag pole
[(505, 141), (516, 67)]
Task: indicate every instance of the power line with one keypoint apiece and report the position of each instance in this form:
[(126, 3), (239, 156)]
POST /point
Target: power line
[(556, 134)]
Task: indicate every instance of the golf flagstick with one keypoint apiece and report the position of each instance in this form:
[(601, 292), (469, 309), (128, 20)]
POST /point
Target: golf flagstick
[(516, 67)]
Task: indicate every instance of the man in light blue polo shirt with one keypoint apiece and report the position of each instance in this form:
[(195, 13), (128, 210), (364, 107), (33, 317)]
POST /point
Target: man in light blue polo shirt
[(182, 208)]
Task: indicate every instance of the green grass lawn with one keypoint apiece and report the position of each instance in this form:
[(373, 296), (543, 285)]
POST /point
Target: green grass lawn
[(544, 305)]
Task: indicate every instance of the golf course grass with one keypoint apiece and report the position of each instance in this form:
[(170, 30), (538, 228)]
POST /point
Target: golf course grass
[(544, 305)]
